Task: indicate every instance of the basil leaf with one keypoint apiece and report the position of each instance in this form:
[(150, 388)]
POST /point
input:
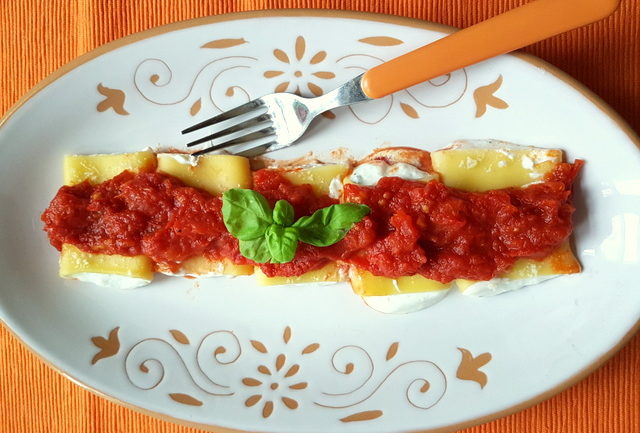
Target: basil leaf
[(246, 213), (282, 243), (283, 213), (330, 224), (256, 250)]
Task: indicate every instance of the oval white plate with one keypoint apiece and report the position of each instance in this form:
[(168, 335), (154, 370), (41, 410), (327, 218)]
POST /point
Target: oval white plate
[(225, 353)]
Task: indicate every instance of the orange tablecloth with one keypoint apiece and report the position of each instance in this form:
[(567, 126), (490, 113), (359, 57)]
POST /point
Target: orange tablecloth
[(36, 37)]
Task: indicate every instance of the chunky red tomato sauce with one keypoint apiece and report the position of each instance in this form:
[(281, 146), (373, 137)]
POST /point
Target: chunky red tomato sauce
[(443, 233), (147, 213), (274, 187), (414, 228)]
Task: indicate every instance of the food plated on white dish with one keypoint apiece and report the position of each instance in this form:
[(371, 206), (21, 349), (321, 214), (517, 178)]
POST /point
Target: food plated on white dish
[(231, 353), (401, 225)]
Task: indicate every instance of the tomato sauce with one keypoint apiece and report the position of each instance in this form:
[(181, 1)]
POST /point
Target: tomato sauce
[(443, 233), (413, 228), (149, 214), (274, 187)]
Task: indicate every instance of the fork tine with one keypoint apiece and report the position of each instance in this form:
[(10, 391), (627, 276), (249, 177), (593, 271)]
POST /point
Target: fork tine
[(256, 150), (266, 132), (254, 121), (241, 109)]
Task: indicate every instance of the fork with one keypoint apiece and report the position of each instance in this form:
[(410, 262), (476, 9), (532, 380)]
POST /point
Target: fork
[(277, 120)]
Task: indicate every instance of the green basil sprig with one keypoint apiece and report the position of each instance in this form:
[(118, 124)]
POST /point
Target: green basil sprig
[(246, 213), (329, 225), (268, 235)]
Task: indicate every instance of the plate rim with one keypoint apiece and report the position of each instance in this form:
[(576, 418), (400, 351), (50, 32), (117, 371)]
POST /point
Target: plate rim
[(598, 102)]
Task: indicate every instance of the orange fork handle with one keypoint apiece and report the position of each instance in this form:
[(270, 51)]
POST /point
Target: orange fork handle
[(532, 22)]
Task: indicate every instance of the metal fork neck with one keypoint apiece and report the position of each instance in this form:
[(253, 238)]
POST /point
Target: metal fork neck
[(347, 94)]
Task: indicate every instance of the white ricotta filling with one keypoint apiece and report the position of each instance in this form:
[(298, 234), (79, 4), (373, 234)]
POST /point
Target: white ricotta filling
[(112, 281), (182, 158), (335, 187), (188, 275), (497, 286), (370, 173), (406, 302)]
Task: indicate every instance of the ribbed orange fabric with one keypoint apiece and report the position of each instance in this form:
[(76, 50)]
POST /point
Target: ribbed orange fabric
[(36, 37)]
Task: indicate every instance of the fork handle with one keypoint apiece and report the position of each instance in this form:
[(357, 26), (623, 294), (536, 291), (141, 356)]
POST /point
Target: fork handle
[(524, 25)]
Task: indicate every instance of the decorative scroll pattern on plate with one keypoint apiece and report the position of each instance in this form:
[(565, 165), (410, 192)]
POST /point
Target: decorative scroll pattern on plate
[(276, 381), (279, 376), (300, 67), (113, 99), (484, 97), (469, 368)]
